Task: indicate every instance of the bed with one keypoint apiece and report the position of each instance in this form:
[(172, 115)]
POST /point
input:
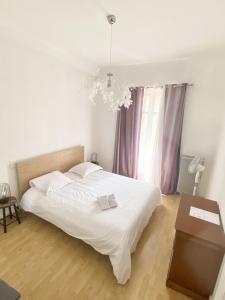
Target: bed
[(113, 232)]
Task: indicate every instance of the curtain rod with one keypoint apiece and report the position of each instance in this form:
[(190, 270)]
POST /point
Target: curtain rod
[(158, 86)]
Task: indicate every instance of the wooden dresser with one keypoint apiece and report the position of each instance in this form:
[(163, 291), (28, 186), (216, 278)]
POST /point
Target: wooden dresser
[(198, 250)]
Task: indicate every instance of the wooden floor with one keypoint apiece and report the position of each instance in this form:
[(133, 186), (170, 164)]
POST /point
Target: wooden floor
[(44, 263)]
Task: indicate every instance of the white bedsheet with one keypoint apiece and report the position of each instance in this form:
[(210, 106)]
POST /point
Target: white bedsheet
[(114, 232)]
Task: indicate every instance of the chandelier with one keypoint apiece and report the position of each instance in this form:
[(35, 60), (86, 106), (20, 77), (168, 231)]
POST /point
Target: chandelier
[(106, 86)]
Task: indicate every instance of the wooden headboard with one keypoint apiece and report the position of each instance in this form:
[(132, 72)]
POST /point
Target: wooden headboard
[(61, 160)]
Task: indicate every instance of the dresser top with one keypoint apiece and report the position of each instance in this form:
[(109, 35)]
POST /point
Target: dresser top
[(199, 228)]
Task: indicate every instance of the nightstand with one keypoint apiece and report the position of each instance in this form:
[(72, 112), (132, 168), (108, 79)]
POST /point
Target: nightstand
[(8, 205)]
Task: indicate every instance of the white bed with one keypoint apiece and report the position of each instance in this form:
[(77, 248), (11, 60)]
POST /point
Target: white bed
[(113, 232)]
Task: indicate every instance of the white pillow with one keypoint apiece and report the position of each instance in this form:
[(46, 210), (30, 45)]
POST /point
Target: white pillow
[(50, 182), (85, 169)]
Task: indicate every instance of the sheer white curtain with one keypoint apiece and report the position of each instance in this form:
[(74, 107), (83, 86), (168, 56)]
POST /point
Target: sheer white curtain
[(150, 151)]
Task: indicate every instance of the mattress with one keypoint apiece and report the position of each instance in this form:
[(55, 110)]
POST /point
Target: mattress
[(113, 232)]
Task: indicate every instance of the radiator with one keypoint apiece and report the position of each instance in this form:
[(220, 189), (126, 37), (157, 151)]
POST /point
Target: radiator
[(186, 180)]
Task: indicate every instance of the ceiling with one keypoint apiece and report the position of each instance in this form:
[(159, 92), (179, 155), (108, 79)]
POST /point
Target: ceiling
[(145, 31)]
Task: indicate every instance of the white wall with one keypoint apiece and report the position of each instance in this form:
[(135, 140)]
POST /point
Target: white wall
[(43, 106), (204, 106), (217, 184), (217, 191)]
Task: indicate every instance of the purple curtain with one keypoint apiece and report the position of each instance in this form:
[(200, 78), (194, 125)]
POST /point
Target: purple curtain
[(172, 130), (127, 139)]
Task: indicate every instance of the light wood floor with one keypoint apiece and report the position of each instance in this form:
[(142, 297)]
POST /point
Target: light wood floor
[(44, 263)]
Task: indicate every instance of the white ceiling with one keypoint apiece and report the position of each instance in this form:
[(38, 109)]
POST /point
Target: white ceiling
[(146, 30)]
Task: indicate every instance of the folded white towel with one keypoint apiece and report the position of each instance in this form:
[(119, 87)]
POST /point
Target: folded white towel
[(107, 201)]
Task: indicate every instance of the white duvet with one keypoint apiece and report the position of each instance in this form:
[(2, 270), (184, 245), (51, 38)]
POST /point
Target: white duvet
[(114, 232)]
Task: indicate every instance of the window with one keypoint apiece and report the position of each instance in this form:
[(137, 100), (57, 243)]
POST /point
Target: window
[(150, 134)]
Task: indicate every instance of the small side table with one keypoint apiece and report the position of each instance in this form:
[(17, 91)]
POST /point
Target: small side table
[(11, 202)]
